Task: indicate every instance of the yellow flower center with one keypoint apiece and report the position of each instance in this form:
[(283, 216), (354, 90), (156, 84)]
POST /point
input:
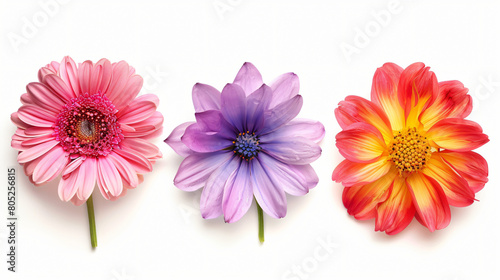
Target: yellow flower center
[(409, 151)]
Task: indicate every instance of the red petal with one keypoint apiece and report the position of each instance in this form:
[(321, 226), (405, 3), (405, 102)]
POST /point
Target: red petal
[(361, 142), (457, 135), (352, 174), (397, 211), (361, 201), (356, 109), (455, 187), (470, 165), (430, 201)]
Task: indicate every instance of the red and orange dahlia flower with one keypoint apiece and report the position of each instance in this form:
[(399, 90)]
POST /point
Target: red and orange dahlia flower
[(409, 150)]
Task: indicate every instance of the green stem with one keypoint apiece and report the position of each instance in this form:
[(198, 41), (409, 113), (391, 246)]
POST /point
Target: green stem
[(90, 211), (261, 222)]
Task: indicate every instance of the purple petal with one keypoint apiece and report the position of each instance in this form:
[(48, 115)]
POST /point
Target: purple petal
[(257, 104), (238, 194), (295, 179), (174, 140), (268, 191), (211, 197), (282, 114), (248, 78), (297, 150), (233, 102), (284, 88), (212, 121), (309, 129), (205, 98), (197, 168), (201, 141)]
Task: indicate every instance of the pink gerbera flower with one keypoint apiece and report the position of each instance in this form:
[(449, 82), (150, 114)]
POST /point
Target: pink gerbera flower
[(409, 150), (85, 123)]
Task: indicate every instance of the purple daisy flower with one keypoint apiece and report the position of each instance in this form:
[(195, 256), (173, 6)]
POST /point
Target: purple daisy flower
[(246, 144)]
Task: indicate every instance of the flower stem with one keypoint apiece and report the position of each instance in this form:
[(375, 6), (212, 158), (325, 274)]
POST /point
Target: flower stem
[(261, 223), (90, 211)]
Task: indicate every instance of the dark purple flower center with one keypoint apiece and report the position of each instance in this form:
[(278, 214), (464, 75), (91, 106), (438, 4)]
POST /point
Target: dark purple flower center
[(88, 126), (246, 145)]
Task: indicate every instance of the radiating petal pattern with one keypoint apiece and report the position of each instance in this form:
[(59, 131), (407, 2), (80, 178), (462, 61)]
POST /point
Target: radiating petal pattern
[(83, 121), (246, 145), (409, 150)]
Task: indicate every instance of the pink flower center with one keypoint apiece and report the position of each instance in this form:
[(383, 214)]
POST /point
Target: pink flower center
[(87, 126)]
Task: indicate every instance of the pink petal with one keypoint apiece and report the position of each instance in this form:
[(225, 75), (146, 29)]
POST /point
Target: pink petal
[(100, 76), (147, 129), (37, 140), (139, 109), (29, 167), (140, 163), (26, 99), (68, 71), (108, 178), (50, 166), (76, 201), (36, 151), (123, 88), (88, 172), (38, 131), (141, 146), (74, 164), (44, 71), (14, 117), (84, 72), (36, 116), (68, 186), (125, 169), (44, 97), (59, 87)]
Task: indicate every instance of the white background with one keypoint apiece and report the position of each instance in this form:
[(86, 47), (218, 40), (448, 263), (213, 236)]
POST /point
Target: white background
[(155, 231)]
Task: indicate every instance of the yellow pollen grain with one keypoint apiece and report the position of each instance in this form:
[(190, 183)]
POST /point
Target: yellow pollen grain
[(409, 151)]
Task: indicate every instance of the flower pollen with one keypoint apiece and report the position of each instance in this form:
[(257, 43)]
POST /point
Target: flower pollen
[(409, 151), (88, 126), (246, 145)]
